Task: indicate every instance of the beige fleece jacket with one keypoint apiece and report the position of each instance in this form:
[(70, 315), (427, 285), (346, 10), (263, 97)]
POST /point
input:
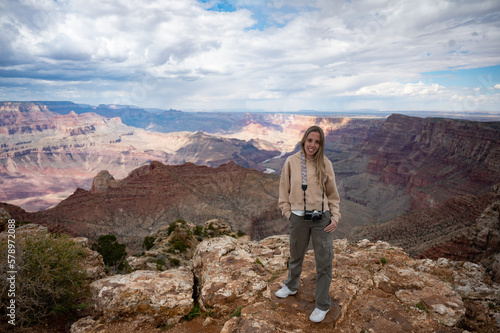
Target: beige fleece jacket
[(291, 195)]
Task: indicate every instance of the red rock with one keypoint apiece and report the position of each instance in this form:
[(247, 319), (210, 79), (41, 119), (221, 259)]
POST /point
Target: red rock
[(155, 195), (423, 154)]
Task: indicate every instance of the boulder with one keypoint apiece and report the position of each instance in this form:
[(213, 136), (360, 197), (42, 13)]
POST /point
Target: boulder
[(145, 296), (217, 225), (92, 261), (229, 273)]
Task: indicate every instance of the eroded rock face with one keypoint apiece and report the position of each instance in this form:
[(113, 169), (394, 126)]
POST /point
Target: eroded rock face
[(465, 228), (375, 288), (230, 274), (92, 261), (417, 152), (103, 181), (145, 296), (155, 195)]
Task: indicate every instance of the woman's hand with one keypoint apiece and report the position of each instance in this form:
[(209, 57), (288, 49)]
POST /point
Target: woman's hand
[(332, 226)]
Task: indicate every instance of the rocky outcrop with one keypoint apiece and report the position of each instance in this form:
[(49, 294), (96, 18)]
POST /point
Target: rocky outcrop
[(145, 296), (375, 287), (103, 181), (155, 195), (174, 245), (138, 299), (233, 273)]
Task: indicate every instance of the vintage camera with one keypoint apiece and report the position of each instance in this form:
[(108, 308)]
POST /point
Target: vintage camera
[(313, 215)]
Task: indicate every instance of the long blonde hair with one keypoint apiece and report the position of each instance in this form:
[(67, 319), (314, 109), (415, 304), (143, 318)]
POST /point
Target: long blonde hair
[(318, 159)]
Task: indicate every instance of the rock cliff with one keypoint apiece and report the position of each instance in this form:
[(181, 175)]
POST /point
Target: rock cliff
[(376, 287), (155, 195), (45, 156), (435, 159), (409, 165), (462, 228)]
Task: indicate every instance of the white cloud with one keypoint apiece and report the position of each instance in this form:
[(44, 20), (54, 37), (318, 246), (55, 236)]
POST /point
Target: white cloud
[(399, 89), (309, 55)]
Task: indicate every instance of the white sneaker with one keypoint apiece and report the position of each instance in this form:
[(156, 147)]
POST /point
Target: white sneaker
[(318, 315), (285, 292)]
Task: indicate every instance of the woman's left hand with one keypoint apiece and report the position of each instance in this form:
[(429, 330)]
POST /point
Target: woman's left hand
[(332, 226)]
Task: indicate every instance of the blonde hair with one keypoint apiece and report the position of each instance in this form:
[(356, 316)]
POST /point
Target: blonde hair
[(318, 159)]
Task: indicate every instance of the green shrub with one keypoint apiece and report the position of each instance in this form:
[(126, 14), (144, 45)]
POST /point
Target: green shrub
[(160, 261), (237, 312), (240, 233), (50, 277), (148, 243), (421, 306), (174, 262), (198, 230), (113, 253), (179, 243), (383, 261), (195, 312), (171, 228)]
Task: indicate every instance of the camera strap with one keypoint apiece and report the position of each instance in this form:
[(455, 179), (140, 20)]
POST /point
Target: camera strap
[(303, 171)]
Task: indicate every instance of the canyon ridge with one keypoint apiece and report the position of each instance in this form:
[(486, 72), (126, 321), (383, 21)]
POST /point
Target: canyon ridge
[(109, 177)]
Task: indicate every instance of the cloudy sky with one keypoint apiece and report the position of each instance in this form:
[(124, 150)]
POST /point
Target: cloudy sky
[(276, 55)]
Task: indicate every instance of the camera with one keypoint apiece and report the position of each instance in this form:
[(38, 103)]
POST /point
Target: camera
[(313, 215)]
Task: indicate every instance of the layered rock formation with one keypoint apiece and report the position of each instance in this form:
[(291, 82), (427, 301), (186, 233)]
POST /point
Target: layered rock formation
[(478, 243), (45, 156), (375, 287), (413, 163), (155, 195), (435, 159), (461, 228), (383, 168)]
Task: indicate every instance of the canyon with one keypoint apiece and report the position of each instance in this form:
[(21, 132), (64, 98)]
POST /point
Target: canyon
[(45, 156), (155, 195), (100, 174)]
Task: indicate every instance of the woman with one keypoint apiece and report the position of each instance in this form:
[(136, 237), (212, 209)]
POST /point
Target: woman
[(307, 187)]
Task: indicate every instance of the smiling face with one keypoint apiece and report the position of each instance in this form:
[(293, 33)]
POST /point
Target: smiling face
[(311, 145)]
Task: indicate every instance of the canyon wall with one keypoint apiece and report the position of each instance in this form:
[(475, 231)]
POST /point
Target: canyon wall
[(410, 163), (155, 195), (45, 156), (385, 168), (435, 159)]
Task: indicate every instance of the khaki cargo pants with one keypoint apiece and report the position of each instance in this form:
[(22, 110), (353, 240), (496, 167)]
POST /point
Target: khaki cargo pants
[(300, 233)]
